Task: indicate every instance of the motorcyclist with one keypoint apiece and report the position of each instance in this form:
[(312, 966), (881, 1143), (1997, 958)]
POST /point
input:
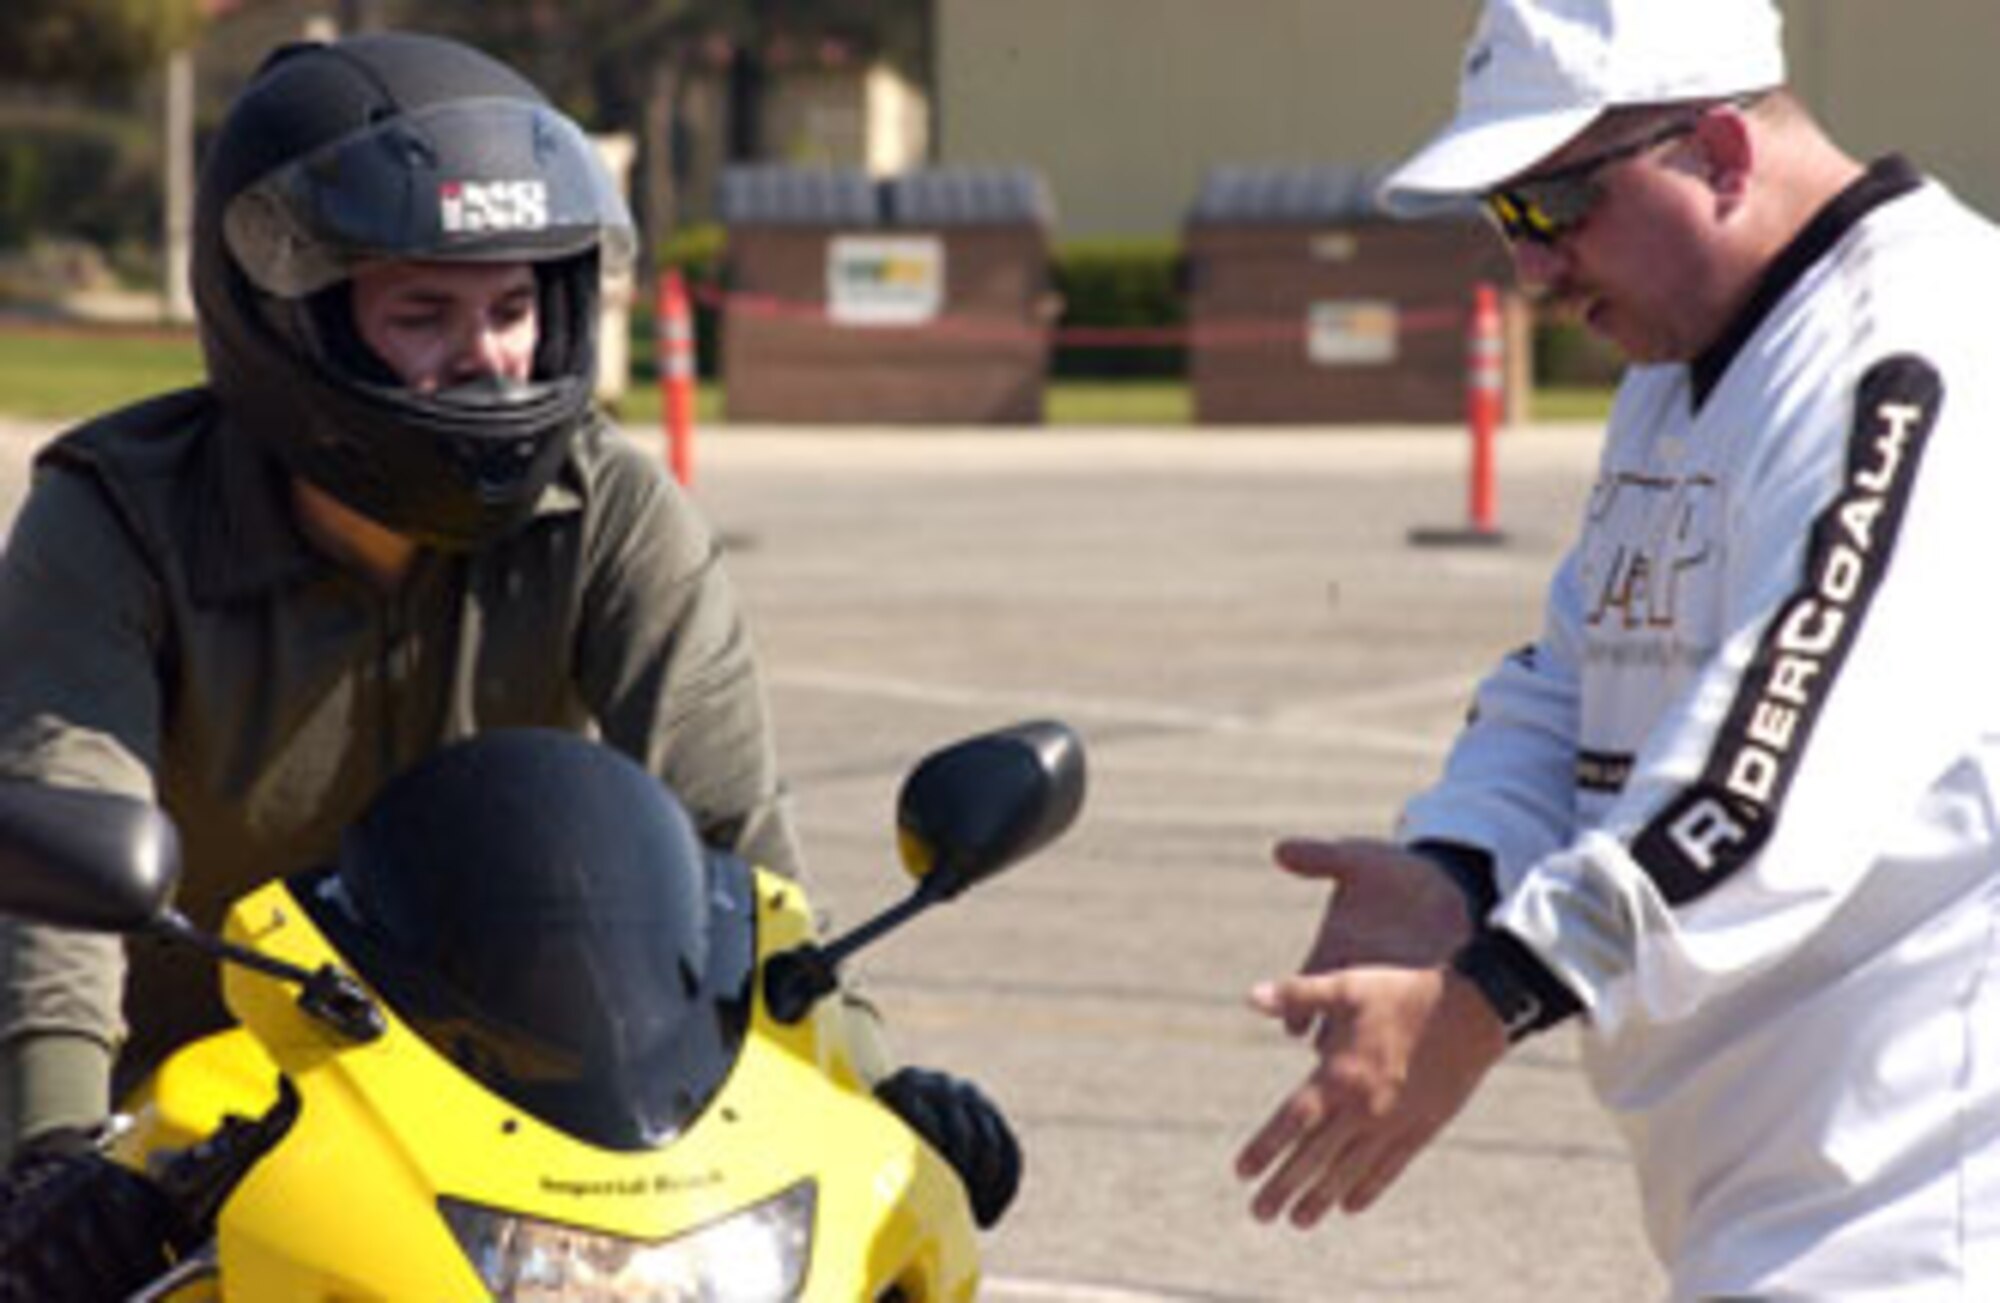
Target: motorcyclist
[(391, 518)]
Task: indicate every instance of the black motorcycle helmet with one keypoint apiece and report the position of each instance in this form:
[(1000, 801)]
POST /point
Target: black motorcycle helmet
[(399, 146)]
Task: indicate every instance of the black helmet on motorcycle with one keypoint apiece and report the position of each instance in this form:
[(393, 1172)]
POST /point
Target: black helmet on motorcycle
[(400, 147)]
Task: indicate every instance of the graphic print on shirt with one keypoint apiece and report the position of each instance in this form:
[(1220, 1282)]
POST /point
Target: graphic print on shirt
[(1642, 572), (1715, 826), (1662, 532)]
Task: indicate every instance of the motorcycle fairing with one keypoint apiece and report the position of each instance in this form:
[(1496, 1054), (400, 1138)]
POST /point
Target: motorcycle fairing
[(390, 1127)]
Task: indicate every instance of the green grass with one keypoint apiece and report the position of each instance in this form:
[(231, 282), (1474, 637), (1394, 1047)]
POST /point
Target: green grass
[(1118, 402), (1125, 402), (56, 375), (52, 374), (1570, 404), (1067, 402), (641, 404)]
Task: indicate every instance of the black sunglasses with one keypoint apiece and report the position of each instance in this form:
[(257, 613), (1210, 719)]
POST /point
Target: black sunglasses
[(1542, 209)]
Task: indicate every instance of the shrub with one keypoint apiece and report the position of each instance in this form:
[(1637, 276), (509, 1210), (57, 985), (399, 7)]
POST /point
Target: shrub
[(78, 178), (1113, 286), (1567, 355), (697, 253)]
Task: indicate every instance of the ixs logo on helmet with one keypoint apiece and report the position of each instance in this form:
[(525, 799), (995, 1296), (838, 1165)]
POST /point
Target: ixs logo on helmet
[(475, 207)]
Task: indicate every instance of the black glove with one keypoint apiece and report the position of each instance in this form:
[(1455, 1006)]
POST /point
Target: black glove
[(76, 1227), (966, 1128)]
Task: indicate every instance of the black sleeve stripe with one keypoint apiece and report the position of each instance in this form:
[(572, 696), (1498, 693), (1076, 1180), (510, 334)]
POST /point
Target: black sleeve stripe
[(1714, 827), (1602, 771)]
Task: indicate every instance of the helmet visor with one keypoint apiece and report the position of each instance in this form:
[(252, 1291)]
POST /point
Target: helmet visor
[(485, 180)]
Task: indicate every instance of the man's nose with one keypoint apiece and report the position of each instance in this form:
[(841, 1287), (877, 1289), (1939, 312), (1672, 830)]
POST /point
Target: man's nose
[(481, 351)]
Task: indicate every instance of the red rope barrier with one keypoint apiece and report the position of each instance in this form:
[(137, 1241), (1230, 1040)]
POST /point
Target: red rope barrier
[(1213, 334)]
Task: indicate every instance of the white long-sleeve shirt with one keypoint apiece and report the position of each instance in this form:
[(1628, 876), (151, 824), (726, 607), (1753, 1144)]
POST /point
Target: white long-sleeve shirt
[(1743, 795)]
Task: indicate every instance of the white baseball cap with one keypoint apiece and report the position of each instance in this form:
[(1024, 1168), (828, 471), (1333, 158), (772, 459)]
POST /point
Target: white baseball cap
[(1537, 72)]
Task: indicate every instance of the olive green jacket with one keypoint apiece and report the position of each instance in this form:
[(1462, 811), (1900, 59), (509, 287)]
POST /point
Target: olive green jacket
[(166, 632)]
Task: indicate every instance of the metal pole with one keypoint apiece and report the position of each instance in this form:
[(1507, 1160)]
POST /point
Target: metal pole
[(176, 296)]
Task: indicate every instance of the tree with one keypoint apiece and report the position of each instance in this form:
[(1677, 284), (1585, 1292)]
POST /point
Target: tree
[(86, 43), (625, 63)]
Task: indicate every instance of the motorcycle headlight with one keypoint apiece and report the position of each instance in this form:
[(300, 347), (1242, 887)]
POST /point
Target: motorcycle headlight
[(756, 1255)]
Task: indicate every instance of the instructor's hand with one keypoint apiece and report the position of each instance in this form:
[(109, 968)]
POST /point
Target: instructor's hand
[(1400, 1051), (1387, 907)]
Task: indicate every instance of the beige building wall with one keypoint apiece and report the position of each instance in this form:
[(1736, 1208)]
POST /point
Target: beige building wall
[(1123, 105), (1919, 76)]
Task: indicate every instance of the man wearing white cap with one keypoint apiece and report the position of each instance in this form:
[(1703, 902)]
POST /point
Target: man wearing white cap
[(1738, 806)]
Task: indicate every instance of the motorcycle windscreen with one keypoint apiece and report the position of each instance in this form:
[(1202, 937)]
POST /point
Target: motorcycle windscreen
[(539, 909)]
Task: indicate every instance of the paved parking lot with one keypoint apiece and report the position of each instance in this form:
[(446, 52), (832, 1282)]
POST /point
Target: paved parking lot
[(1250, 644)]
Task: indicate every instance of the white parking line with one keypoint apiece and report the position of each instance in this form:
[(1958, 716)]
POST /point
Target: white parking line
[(1022, 1289), (1293, 724)]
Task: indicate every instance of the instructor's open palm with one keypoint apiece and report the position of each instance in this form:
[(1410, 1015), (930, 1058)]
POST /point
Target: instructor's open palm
[(1388, 906)]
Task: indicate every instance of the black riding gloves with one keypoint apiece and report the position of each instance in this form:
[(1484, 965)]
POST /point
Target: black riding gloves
[(76, 1227), (966, 1128)]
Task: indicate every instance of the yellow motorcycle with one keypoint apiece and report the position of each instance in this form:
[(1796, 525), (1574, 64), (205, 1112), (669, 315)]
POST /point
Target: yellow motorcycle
[(526, 1039)]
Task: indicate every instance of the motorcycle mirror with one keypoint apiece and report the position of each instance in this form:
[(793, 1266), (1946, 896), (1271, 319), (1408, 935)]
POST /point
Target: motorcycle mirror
[(975, 807), (965, 813), (92, 860)]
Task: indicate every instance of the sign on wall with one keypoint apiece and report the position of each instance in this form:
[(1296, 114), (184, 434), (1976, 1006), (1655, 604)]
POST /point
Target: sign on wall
[(884, 280), (1351, 332)]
